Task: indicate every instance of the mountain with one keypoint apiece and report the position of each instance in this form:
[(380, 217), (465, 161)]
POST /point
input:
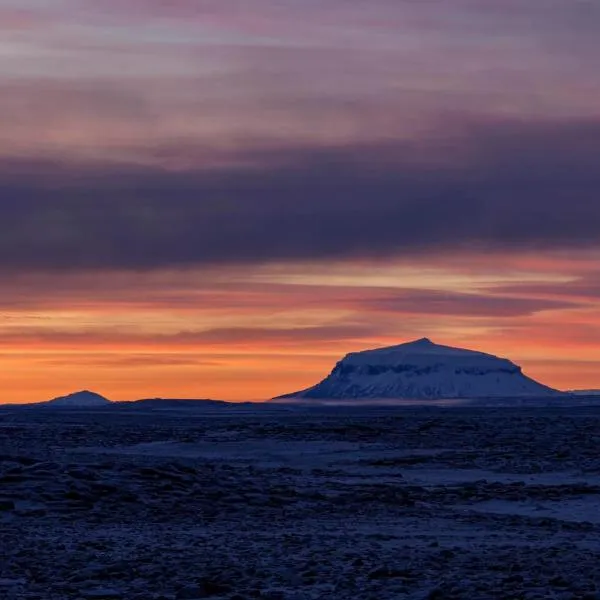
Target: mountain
[(83, 399), (423, 370)]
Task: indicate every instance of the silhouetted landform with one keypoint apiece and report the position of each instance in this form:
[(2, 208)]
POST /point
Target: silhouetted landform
[(424, 370), (171, 403), (91, 401), (82, 399)]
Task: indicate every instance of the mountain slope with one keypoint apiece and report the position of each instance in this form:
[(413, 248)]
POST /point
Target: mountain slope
[(423, 370)]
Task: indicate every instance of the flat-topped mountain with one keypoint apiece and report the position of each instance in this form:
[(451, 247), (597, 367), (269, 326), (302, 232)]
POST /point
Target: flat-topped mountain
[(423, 370)]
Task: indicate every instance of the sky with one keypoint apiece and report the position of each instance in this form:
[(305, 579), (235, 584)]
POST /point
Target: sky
[(221, 198)]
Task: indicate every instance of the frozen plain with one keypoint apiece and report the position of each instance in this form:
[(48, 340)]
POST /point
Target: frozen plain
[(291, 503)]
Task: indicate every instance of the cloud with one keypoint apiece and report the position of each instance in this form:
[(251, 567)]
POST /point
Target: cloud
[(296, 335), (455, 304), (228, 336), (582, 289), (490, 186), (125, 361), (410, 287)]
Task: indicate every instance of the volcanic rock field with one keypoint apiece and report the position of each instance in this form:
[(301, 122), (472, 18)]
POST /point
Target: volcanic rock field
[(294, 504)]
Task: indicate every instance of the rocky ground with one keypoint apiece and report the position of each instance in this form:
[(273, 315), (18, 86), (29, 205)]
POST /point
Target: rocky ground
[(277, 504)]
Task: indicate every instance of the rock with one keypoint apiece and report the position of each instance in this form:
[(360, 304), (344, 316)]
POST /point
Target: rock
[(6, 582), (191, 592), (214, 588), (382, 573), (436, 593), (559, 581), (38, 510), (102, 594)]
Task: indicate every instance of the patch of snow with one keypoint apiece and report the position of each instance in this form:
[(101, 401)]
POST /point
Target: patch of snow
[(263, 452), (432, 477), (579, 510)]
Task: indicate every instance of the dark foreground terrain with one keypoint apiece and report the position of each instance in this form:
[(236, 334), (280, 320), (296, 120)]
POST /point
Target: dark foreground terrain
[(289, 504)]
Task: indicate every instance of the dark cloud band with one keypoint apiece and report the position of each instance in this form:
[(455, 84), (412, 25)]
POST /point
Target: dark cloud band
[(493, 186)]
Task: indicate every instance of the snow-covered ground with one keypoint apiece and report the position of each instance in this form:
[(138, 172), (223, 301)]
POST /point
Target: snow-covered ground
[(458, 503)]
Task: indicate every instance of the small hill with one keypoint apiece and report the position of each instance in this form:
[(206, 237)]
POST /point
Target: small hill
[(423, 370), (83, 399)]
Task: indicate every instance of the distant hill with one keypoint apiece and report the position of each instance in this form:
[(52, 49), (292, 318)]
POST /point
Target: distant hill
[(86, 399), (83, 399), (170, 403)]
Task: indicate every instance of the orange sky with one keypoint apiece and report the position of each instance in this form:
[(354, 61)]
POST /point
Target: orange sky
[(252, 333)]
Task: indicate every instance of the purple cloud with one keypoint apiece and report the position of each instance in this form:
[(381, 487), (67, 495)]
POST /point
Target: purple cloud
[(145, 134), (506, 184)]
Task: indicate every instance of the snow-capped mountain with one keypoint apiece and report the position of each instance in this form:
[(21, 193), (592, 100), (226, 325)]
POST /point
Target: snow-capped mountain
[(423, 370), (83, 399)]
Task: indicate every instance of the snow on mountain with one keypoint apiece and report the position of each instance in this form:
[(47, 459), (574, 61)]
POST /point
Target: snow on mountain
[(83, 399), (423, 370)]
